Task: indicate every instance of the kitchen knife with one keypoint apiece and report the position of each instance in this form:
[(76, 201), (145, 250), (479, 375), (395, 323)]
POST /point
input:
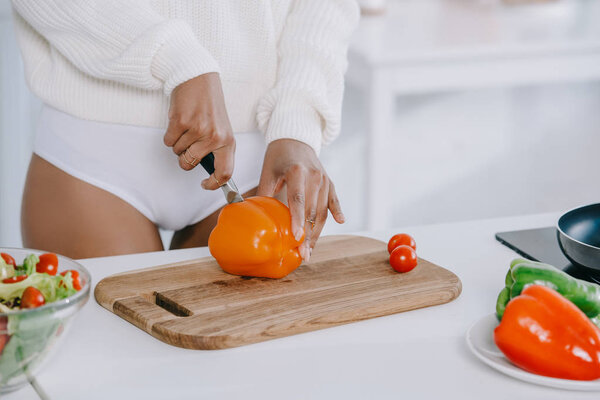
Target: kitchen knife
[(232, 194)]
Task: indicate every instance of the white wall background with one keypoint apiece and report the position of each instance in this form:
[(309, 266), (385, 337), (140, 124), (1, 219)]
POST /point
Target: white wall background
[(18, 114), (464, 155)]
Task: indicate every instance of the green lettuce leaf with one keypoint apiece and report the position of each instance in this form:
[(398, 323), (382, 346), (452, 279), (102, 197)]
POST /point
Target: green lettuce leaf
[(28, 266), (52, 287), (6, 270), (65, 289)]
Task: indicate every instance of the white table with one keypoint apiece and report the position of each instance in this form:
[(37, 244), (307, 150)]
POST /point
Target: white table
[(419, 354), (447, 45)]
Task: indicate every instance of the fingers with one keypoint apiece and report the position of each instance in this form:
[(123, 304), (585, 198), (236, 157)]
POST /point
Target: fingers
[(334, 205), (310, 193), (174, 130), (193, 144), (191, 157), (327, 199), (314, 184), (296, 182), (224, 162), (313, 187), (321, 217), (186, 139), (198, 125), (267, 184)]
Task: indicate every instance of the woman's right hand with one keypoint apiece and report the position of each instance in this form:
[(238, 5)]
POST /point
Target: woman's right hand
[(198, 125)]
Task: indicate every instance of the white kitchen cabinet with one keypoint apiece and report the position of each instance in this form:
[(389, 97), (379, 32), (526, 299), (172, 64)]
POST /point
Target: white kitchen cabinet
[(425, 47)]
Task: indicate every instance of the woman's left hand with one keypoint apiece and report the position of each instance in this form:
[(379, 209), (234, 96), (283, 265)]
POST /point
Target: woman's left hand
[(310, 193)]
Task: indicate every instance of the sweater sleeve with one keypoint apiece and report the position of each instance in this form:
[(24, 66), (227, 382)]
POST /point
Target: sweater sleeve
[(306, 101), (121, 41)]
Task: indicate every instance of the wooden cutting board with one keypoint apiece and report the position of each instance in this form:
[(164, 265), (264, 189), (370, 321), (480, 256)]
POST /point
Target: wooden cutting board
[(194, 304)]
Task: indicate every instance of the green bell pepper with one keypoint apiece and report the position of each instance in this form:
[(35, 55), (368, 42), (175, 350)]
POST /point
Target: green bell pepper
[(522, 272)]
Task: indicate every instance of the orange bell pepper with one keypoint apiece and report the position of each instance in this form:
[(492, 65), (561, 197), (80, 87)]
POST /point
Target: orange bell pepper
[(544, 333), (254, 238)]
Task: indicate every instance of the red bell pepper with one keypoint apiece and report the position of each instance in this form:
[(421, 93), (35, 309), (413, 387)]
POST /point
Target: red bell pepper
[(544, 333)]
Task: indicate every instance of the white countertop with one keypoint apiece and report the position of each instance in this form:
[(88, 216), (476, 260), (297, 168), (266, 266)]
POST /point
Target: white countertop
[(413, 355)]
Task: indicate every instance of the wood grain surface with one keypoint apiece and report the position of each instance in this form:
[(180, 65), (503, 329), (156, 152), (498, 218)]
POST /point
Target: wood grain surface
[(194, 304)]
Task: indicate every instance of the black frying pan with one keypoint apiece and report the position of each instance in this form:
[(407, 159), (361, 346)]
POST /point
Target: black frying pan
[(579, 235)]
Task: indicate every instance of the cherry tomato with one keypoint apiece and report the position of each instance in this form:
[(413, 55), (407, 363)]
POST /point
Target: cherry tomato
[(32, 298), (15, 279), (403, 258), (8, 259), (48, 263), (401, 239), (75, 276)]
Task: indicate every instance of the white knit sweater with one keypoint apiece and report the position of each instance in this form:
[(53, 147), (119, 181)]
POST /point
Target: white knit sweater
[(281, 62)]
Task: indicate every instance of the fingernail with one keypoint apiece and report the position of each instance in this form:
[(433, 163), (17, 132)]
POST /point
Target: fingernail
[(203, 184), (341, 218), (306, 255), (298, 232)]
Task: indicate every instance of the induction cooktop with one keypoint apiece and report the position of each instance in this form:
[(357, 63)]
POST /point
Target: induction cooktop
[(541, 245)]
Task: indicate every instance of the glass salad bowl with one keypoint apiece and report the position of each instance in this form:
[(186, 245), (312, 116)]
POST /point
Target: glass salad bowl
[(29, 336)]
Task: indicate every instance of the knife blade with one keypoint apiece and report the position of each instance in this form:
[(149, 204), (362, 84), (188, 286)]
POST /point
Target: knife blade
[(232, 194)]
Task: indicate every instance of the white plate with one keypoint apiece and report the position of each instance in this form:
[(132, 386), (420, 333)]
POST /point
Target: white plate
[(480, 339)]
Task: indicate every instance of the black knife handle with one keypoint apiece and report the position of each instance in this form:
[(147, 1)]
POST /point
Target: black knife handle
[(208, 163)]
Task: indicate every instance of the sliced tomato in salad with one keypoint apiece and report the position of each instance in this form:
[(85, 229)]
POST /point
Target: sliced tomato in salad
[(15, 279), (75, 277), (48, 263), (8, 259)]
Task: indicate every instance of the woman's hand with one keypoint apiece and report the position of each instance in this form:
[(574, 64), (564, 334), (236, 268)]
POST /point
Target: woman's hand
[(310, 193), (198, 124)]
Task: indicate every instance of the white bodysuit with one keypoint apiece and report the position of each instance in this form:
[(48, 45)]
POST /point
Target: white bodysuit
[(133, 163)]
